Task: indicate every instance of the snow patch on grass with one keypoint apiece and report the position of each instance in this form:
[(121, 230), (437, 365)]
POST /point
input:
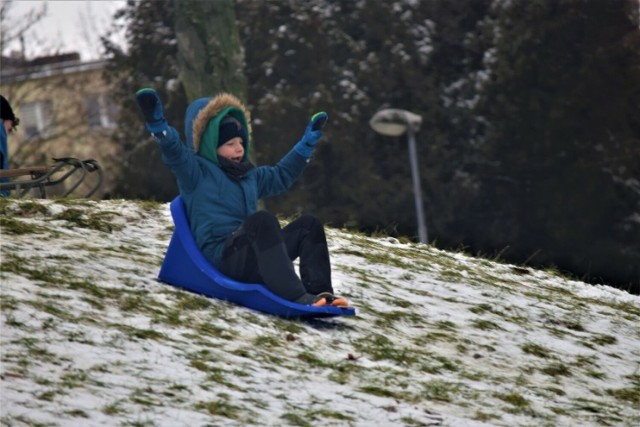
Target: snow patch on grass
[(90, 337)]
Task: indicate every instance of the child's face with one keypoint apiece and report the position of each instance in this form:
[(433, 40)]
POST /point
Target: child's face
[(232, 150)]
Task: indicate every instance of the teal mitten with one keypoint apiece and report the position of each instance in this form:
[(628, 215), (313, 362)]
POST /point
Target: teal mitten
[(312, 134)]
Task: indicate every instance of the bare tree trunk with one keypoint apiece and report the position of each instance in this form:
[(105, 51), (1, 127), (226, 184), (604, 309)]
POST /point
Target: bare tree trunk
[(210, 55)]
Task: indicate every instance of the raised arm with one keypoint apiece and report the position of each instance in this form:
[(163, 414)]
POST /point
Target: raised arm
[(279, 178), (175, 154)]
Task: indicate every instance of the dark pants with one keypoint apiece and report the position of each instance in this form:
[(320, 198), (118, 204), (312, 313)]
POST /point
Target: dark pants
[(262, 252)]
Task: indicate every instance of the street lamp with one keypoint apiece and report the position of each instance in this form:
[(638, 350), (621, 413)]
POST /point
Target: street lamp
[(394, 122)]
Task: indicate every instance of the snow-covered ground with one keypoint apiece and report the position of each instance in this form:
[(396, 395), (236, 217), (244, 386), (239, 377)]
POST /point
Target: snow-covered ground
[(91, 338)]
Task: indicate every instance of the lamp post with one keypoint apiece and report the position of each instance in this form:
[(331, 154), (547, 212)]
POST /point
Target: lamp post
[(395, 122)]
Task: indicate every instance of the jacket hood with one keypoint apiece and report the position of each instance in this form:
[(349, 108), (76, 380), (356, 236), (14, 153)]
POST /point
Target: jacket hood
[(202, 121)]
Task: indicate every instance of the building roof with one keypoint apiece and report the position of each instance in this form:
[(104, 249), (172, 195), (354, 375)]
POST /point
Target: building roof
[(16, 69)]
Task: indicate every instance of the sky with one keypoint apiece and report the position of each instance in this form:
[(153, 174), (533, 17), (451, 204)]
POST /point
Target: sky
[(68, 26), (89, 337)]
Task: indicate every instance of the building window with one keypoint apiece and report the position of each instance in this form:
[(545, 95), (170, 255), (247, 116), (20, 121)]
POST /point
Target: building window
[(36, 118), (100, 111)]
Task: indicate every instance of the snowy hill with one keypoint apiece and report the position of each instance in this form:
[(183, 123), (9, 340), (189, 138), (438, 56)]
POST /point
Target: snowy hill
[(90, 338)]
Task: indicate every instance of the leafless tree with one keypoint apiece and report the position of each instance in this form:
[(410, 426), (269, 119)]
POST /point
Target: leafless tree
[(65, 108)]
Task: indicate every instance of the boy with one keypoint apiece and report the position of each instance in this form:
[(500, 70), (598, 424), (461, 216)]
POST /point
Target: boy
[(221, 188)]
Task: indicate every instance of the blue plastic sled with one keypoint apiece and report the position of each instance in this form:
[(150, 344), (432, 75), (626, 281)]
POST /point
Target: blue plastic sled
[(186, 267)]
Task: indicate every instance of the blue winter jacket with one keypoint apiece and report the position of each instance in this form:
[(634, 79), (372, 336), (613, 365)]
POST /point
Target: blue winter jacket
[(217, 204)]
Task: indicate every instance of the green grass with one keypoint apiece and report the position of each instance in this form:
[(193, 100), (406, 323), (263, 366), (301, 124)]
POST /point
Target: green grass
[(138, 333), (629, 394), (380, 347), (485, 325), (296, 420), (602, 340), (380, 391), (536, 350), (439, 390), (419, 343), (556, 370), (10, 225), (518, 402), (221, 408)]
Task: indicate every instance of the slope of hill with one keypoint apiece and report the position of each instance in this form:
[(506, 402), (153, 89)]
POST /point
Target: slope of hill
[(91, 338)]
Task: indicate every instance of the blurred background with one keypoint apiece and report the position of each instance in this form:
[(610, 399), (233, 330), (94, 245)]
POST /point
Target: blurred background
[(528, 148)]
